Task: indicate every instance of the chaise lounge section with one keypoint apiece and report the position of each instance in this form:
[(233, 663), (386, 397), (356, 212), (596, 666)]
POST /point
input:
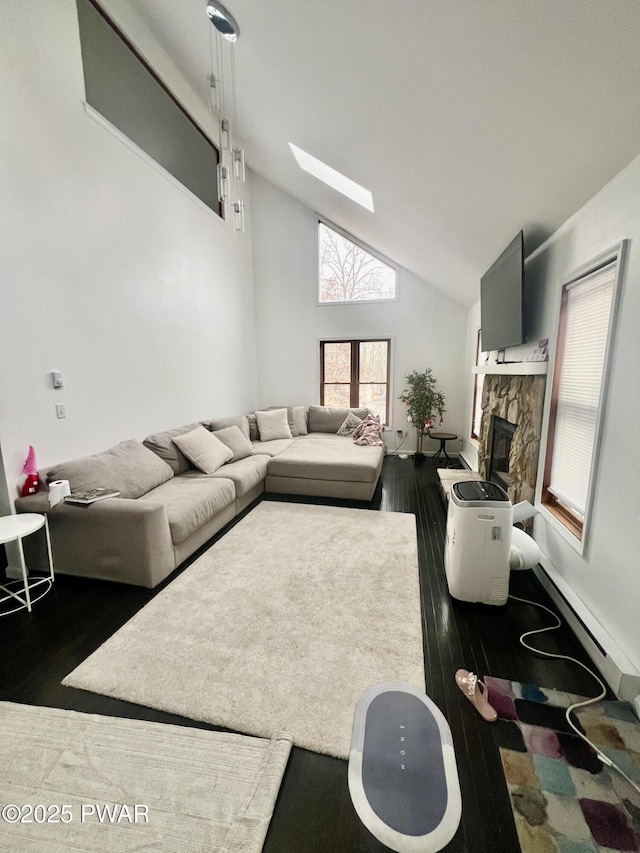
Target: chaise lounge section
[(325, 465)]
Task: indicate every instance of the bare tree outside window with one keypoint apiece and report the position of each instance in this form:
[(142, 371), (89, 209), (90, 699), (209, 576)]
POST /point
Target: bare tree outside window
[(337, 374), (373, 377), (348, 273)]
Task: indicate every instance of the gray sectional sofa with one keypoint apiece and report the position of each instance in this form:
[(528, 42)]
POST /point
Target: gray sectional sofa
[(168, 508)]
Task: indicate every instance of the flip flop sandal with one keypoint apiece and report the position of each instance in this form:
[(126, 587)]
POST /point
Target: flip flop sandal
[(476, 692)]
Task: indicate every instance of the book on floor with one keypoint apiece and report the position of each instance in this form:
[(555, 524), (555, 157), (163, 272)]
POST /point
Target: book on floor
[(90, 496)]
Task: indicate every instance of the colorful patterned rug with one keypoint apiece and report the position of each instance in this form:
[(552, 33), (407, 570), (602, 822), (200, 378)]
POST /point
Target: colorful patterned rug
[(564, 799)]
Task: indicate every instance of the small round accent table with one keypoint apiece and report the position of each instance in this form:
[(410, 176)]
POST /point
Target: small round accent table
[(442, 437), (12, 529)]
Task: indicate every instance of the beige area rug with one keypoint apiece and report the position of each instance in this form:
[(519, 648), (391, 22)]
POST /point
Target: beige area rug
[(280, 626), (80, 782)]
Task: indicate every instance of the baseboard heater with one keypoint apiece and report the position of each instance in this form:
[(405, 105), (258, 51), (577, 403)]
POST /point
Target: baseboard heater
[(619, 672)]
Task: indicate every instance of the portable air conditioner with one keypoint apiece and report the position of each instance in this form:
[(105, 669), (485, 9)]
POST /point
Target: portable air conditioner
[(478, 545)]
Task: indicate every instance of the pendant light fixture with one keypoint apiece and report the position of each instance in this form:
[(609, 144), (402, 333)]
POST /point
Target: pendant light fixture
[(223, 21), (222, 82)]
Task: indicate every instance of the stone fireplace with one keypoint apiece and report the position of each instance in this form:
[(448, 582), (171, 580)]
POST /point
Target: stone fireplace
[(509, 454), (502, 433)]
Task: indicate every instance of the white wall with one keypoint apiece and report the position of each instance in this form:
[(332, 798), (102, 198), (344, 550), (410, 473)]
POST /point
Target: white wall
[(606, 579), (603, 584), (112, 273), (427, 328)]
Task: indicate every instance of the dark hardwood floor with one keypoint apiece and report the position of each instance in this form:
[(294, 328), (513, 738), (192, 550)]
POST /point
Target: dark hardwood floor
[(314, 811)]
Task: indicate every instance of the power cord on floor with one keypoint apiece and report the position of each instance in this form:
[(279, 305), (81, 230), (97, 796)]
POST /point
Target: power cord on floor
[(395, 450), (604, 758)]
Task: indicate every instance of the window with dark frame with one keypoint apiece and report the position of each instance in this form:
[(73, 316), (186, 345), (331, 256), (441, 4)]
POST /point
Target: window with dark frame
[(355, 374), (577, 397)]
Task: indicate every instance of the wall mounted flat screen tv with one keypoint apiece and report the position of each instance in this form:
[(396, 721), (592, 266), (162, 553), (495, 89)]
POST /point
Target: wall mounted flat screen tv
[(502, 299)]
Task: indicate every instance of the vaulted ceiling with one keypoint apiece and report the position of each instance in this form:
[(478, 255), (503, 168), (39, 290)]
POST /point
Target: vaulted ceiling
[(467, 120)]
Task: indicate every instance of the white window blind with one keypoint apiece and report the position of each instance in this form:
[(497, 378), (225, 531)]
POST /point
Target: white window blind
[(587, 315)]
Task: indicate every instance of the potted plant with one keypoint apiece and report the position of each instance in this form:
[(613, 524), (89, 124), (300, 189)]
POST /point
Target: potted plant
[(425, 404)]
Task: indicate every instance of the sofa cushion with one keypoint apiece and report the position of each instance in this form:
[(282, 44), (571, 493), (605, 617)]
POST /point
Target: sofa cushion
[(241, 421), (191, 500), (129, 467), (326, 419), (273, 424), (236, 441), (245, 474), (162, 444), (321, 456), (254, 435), (300, 419), (272, 448), (202, 448)]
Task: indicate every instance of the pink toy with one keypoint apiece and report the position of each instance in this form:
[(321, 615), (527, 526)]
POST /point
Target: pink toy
[(31, 485)]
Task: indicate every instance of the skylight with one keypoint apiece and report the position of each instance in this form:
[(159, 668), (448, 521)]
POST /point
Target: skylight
[(334, 179)]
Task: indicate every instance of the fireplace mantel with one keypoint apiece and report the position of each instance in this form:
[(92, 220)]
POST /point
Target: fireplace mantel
[(516, 368)]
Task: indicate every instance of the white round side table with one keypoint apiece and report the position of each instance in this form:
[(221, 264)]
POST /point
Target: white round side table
[(12, 529)]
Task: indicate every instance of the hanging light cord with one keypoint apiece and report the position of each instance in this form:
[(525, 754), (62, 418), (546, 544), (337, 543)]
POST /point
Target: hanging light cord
[(233, 90), (213, 82), (222, 105), (603, 690)]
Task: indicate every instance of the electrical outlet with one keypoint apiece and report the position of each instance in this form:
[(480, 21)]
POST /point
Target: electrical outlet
[(399, 432)]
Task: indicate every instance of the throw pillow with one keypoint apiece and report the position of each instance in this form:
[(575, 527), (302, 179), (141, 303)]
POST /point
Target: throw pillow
[(273, 424), (350, 424), (162, 445), (236, 441), (240, 421), (300, 419), (290, 418), (202, 448)]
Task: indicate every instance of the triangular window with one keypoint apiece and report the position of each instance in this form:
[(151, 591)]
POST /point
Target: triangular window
[(350, 273)]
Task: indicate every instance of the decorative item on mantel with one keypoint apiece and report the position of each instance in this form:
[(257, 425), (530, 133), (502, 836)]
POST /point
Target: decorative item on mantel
[(540, 352), (425, 404)]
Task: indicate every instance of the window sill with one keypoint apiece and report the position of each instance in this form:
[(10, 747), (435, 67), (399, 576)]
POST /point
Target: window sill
[(356, 302), (555, 524)]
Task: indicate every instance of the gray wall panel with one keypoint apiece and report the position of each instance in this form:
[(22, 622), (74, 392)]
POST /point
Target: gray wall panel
[(124, 91)]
